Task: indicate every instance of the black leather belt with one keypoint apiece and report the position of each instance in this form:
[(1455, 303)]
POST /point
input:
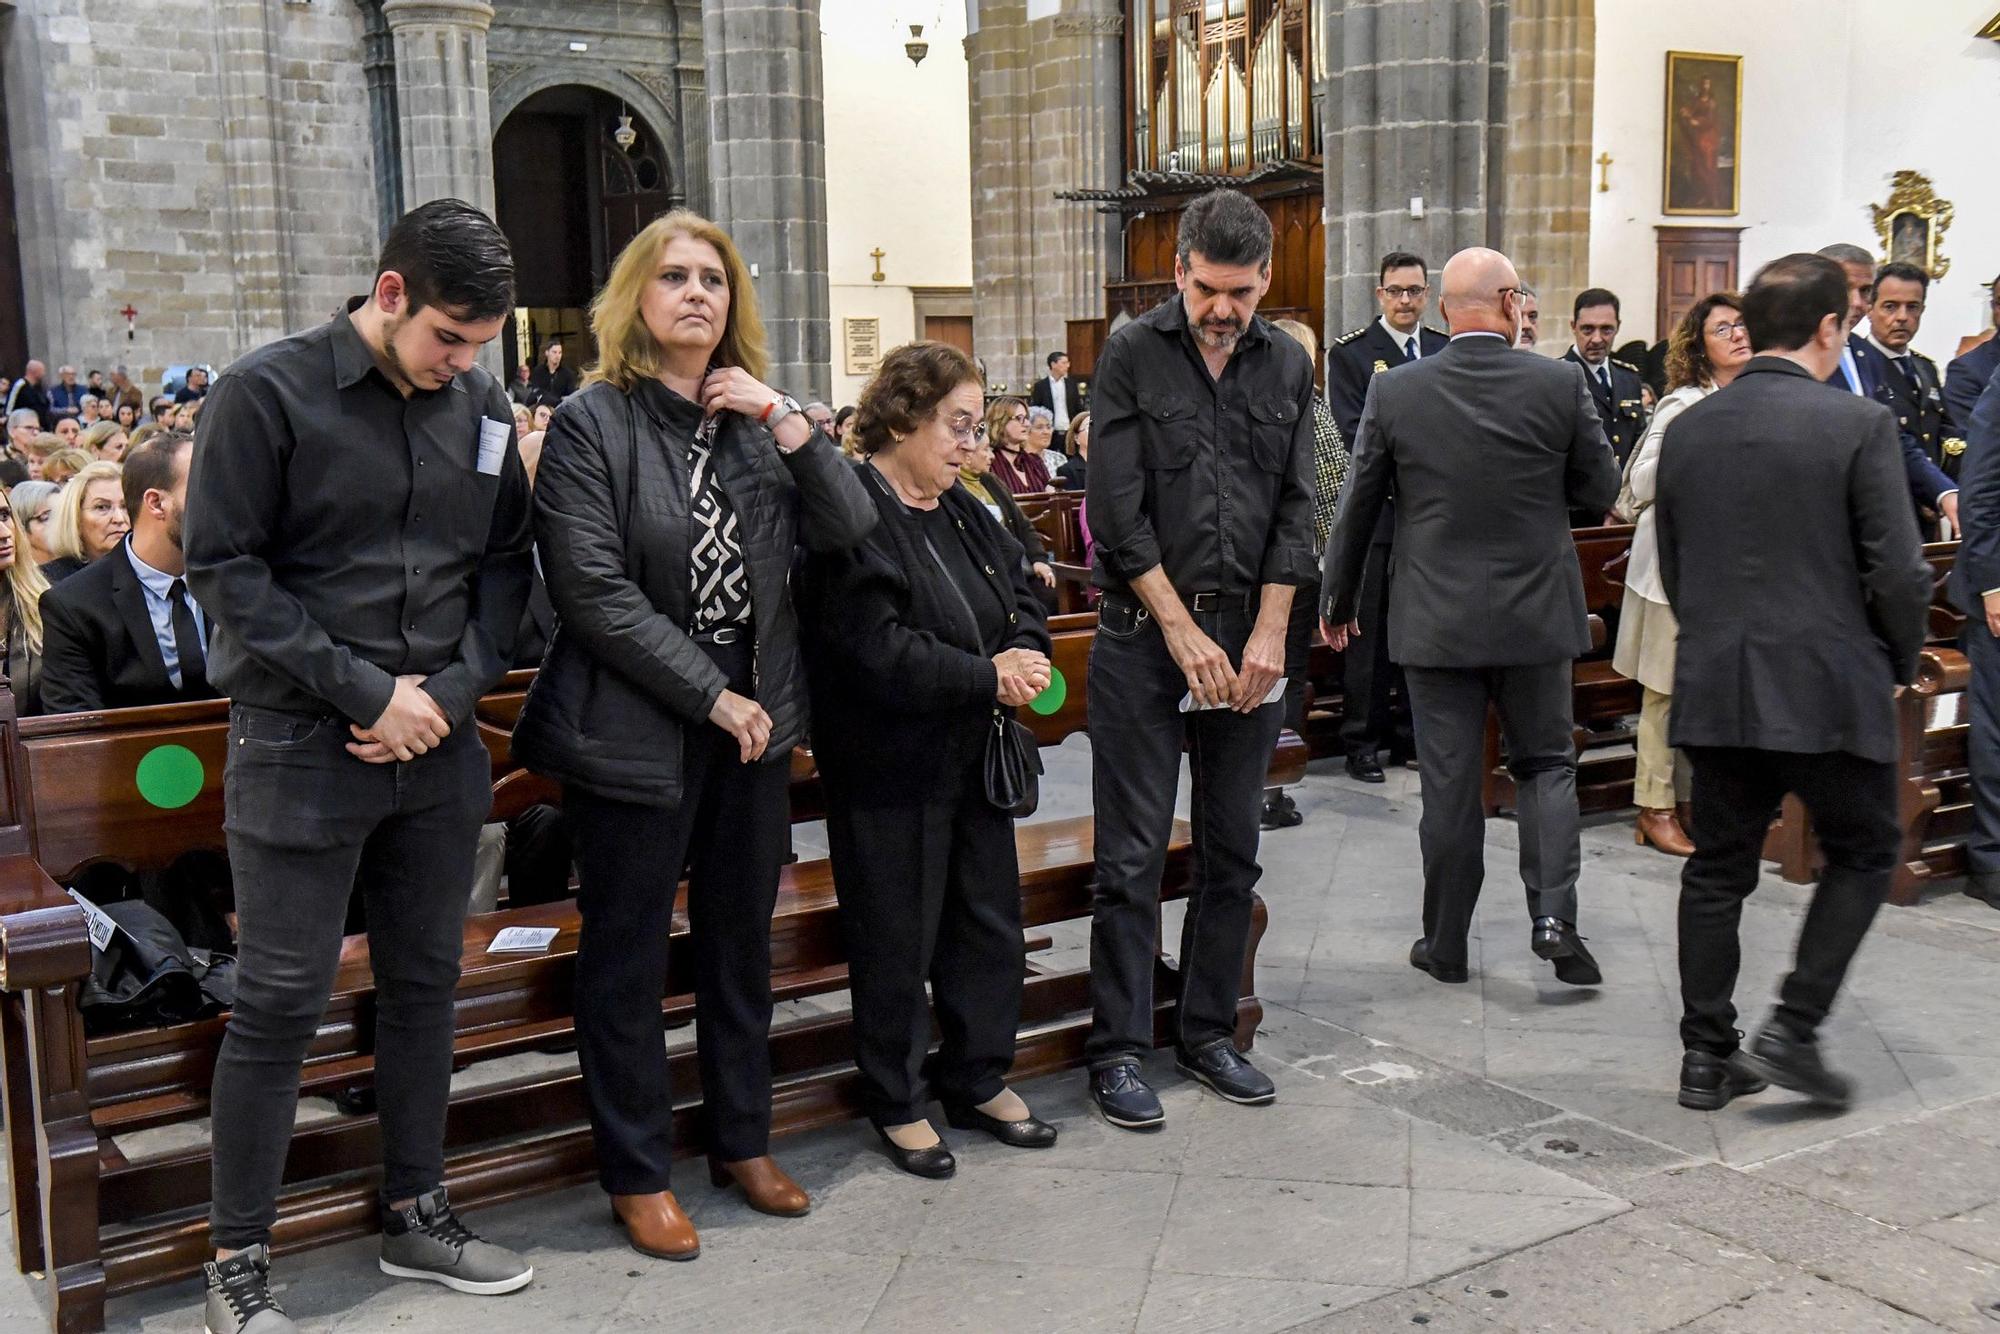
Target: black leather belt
[(1221, 601), (721, 634)]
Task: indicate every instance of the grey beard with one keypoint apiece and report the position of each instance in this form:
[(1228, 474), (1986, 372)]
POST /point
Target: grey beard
[(1222, 340)]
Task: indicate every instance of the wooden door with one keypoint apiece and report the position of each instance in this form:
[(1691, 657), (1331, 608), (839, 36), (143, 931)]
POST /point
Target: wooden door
[(953, 329), (1694, 262)]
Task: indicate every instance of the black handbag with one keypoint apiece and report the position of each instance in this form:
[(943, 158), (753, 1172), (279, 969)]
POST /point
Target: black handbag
[(1013, 767)]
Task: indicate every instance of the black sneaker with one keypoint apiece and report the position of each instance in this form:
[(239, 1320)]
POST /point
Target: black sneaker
[(1125, 1099), (1793, 1062), (1708, 1081), (1220, 1066), (239, 1296)]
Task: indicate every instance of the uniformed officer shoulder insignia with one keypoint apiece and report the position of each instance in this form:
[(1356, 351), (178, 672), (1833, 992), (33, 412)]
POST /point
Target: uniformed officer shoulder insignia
[(1626, 365), (1439, 332), (1921, 357), (1380, 366), (1347, 338), (1954, 447)]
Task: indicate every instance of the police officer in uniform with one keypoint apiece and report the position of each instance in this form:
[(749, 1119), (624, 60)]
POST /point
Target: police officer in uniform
[(1615, 386), (1908, 381), (1395, 336)]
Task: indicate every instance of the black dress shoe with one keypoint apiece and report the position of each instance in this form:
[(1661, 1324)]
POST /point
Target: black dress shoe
[(1558, 942), (1366, 768), (1709, 1081), (1281, 812), (1220, 1066), (935, 1162), (1793, 1062), (1984, 886), (1024, 1134), (1420, 957), (1125, 1099)]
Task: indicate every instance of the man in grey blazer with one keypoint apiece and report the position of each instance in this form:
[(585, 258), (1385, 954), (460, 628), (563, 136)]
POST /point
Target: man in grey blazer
[(1487, 449), (1802, 596)]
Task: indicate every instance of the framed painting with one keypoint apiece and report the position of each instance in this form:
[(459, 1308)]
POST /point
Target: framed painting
[(1913, 223), (1704, 120)]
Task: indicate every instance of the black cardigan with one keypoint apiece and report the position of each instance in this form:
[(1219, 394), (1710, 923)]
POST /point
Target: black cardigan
[(902, 699)]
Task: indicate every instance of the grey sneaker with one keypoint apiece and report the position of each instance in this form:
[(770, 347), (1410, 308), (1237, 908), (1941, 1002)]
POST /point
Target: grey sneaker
[(239, 1296), (427, 1241)]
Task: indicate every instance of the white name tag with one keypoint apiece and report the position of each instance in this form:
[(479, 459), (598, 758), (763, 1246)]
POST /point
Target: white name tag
[(1277, 692), (522, 940), (101, 927), (493, 437)]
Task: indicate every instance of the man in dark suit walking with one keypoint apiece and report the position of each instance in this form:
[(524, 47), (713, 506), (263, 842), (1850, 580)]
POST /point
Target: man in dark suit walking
[(1059, 392), (1802, 597), (123, 632), (1975, 590), (1488, 448)]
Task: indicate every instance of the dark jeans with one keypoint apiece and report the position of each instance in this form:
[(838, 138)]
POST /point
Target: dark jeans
[(1853, 806), (307, 823), (1367, 676), (1982, 848), (1535, 712), (1137, 734), (929, 891), (730, 834)]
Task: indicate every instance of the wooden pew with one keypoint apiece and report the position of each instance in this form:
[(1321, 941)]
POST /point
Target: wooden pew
[(99, 1224)]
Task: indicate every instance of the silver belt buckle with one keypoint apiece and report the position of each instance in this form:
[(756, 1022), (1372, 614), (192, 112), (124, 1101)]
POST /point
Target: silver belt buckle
[(727, 634)]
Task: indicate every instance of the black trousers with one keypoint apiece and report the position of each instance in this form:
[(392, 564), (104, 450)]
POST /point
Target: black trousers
[(1535, 713), (306, 824), (1367, 723), (1137, 734), (1982, 849), (929, 892), (730, 834), (1853, 806)]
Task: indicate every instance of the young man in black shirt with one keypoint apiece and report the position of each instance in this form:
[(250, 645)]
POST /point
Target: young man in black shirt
[(358, 532), (1201, 499)]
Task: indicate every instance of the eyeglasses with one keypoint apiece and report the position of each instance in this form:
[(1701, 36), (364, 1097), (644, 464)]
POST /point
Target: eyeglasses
[(1729, 330), (1506, 292), (967, 431), (1017, 417), (1403, 293)]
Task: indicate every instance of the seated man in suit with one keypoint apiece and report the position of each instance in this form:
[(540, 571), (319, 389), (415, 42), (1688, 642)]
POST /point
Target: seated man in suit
[(124, 632)]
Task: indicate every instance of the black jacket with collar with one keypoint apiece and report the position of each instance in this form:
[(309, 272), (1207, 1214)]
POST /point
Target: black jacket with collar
[(903, 693), (1354, 359), (98, 646), (1622, 409), (623, 679)]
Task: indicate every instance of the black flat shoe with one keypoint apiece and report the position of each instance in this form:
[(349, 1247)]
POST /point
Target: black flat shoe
[(1365, 768), (1281, 812), (1557, 941), (1420, 958), (1709, 1082), (1124, 1099), (935, 1162), (1222, 1068), (1026, 1134)]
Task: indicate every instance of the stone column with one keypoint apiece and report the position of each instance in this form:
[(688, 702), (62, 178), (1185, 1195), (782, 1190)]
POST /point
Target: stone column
[(253, 156), (447, 123), (1550, 95), (1414, 98), (1003, 279), (767, 172)]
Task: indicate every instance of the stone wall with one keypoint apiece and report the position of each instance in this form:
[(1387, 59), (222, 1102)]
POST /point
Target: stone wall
[(207, 162), (1550, 97)]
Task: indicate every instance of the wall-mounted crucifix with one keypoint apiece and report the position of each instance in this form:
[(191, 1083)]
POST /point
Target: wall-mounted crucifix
[(876, 255), (1603, 173), (131, 322)]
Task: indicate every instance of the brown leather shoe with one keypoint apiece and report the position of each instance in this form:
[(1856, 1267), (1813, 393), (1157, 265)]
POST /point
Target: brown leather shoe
[(656, 1225), (765, 1185), (1663, 831)]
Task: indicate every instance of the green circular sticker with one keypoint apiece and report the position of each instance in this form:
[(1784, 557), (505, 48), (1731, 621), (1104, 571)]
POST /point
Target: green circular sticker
[(170, 777), (1052, 697)]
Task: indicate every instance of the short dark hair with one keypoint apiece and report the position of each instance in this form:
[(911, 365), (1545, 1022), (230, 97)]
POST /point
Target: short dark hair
[(1902, 272), (152, 467), (1225, 227), (1054, 357), (1596, 296), (1790, 298), (1400, 259), (906, 389), (451, 256)]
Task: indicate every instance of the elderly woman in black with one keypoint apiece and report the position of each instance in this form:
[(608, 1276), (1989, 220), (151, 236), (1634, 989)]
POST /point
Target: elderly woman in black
[(672, 492), (919, 639)]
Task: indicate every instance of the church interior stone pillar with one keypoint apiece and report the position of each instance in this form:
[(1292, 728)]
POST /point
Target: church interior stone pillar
[(1414, 100), (767, 172), (1000, 77), (447, 130), (1550, 95)]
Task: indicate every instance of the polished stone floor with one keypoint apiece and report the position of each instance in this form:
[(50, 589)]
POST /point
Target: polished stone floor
[(1504, 1155)]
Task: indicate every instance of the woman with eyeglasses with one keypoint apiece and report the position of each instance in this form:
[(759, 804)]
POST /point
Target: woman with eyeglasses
[(34, 510), (1707, 349), (90, 520), (920, 642), (21, 589), (1019, 470), (976, 476)]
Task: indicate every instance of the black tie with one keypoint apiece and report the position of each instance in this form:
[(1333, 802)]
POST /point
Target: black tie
[(1604, 378), (1909, 368), (1410, 348), (187, 642)]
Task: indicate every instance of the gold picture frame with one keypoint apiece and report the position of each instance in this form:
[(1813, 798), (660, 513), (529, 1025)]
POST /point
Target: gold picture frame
[(1913, 223), (1701, 174)]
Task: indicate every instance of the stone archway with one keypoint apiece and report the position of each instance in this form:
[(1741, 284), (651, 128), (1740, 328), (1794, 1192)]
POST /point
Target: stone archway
[(510, 86)]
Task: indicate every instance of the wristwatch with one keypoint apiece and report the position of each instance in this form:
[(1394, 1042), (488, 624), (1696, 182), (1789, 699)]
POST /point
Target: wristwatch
[(783, 406)]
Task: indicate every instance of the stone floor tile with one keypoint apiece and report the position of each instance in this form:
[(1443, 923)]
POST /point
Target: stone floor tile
[(1443, 1160), (1602, 1155), (1287, 1229), (1977, 1232), (1778, 1122), (1924, 1277), (1944, 1079), (1085, 1139), (1550, 1062), (931, 1294), (1200, 1304), (1758, 1213), (799, 1292), (1421, 1309), (1048, 1215), (1651, 1112), (1705, 1249), (1894, 1175), (1804, 1302), (1357, 1146), (1978, 1120), (1453, 1229)]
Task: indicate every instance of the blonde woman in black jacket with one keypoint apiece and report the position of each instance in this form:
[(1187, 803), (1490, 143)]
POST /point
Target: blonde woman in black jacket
[(673, 491)]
